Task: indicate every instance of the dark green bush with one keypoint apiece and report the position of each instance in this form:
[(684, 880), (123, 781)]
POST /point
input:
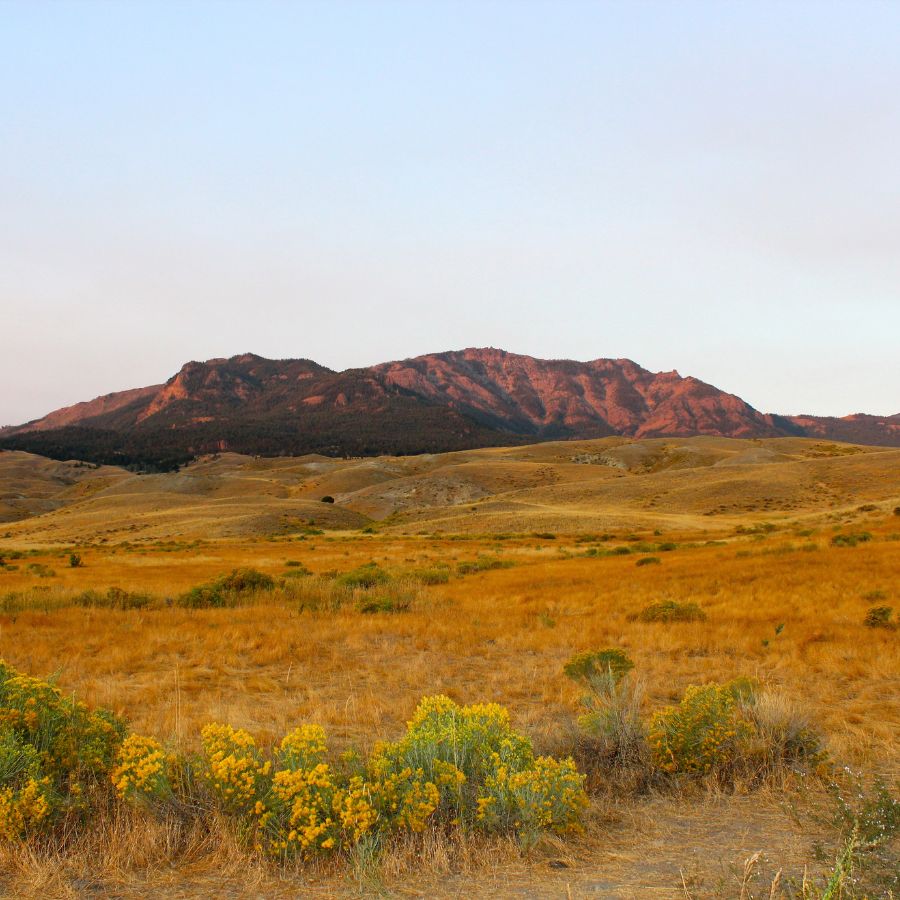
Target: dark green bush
[(483, 563), (591, 665), (649, 561), (851, 540), (880, 617), (113, 598), (671, 611), (435, 575), (228, 590), (367, 576)]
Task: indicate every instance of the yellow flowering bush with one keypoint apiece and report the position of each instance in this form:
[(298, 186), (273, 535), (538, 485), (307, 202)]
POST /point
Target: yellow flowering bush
[(55, 753), (703, 733), (233, 767), (142, 770), (455, 765), (484, 773), (25, 809), (548, 795), (301, 811), (304, 747), (25, 798), (74, 743)]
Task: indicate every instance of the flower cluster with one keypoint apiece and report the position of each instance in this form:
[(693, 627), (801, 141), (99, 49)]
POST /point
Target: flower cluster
[(702, 733), (301, 810), (234, 767), (485, 772), (142, 771), (51, 749), (24, 809), (454, 764), (548, 795)]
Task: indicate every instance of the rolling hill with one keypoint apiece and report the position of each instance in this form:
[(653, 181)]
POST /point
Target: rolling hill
[(699, 484)]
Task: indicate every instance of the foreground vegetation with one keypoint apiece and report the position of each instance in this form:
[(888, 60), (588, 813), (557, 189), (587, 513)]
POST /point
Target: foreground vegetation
[(749, 666)]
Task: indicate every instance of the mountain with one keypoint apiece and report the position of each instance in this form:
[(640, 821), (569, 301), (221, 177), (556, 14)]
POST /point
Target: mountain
[(433, 403)]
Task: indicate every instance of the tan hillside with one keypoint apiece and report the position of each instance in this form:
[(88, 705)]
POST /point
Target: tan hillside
[(696, 484)]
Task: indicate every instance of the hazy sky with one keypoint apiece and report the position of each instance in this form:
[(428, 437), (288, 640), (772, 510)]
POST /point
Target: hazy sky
[(711, 187)]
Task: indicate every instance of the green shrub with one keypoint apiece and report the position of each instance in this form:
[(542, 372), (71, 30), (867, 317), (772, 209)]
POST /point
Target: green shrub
[(648, 561), (75, 561), (40, 570), (851, 540), (367, 576), (880, 617), (671, 611), (228, 590), (113, 598), (593, 666), (296, 573), (612, 720), (245, 580), (483, 563), (432, 576), (385, 602)]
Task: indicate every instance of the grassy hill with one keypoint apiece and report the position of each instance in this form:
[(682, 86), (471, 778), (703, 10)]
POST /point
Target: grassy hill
[(700, 484)]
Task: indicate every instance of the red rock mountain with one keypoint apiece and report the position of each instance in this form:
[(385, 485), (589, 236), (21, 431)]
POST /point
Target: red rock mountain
[(437, 402)]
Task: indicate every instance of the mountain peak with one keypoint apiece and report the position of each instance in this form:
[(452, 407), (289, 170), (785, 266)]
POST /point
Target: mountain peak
[(456, 399)]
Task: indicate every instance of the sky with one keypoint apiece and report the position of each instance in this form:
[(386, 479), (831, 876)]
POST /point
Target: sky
[(707, 187)]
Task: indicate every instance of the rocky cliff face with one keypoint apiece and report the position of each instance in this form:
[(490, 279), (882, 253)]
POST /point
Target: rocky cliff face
[(440, 401), (563, 397)]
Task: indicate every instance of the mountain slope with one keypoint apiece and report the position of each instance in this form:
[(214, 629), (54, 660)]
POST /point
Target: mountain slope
[(433, 403)]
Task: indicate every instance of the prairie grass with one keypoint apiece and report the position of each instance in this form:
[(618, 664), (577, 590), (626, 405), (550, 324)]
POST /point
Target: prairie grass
[(303, 650)]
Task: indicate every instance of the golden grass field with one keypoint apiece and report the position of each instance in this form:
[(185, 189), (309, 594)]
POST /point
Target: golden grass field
[(753, 522)]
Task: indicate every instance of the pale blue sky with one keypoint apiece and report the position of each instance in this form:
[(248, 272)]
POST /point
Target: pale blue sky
[(712, 187)]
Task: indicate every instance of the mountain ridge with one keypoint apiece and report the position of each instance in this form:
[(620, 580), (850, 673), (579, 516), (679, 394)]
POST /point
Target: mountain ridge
[(436, 402)]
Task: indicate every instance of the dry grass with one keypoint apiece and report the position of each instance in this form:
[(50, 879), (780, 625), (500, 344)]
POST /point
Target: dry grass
[(500, 635)]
